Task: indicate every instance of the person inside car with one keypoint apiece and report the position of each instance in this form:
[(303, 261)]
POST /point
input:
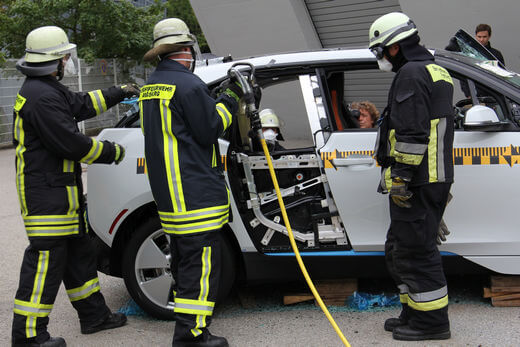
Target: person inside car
[(368, 114), (271, 130)]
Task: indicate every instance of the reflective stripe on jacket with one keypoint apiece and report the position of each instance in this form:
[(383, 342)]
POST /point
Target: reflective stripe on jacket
[(49, 147), (181, 124), (419, 135)]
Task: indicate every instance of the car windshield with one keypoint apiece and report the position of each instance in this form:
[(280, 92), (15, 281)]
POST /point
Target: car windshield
[(481, 57)]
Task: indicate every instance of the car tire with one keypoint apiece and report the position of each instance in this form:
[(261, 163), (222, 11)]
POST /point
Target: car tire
[(146, 269)]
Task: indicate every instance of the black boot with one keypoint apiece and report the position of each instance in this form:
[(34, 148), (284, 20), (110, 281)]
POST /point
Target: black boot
[(51, 342), (406, 333), (392, 323), (208, 341), (114, 320)]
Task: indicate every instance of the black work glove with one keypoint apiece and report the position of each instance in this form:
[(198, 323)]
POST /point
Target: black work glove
[(443, 228), (233, 89), (443, 232), (120, 153), (130, 90), (400, 193)]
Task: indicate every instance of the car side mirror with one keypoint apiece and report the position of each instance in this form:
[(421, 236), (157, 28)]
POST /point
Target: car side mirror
[(483, 118)]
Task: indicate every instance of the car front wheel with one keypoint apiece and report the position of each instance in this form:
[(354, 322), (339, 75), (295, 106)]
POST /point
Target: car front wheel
[(147, 274)]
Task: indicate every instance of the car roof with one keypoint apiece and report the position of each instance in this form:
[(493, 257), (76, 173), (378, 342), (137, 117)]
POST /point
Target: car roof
[(215, 71)]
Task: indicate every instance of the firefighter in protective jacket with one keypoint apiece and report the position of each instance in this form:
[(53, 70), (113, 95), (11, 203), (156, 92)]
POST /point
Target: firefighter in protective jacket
[(49, 148), (414, 149), (181, 123)]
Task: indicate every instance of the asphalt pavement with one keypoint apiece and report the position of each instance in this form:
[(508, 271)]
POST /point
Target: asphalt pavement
[(474, 322)]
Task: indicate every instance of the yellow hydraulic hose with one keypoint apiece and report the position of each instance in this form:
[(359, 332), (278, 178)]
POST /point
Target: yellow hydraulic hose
[(295, 248)]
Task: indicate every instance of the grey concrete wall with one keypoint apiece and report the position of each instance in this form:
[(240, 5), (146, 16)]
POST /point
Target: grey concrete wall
[(438, 20), (247, 27)]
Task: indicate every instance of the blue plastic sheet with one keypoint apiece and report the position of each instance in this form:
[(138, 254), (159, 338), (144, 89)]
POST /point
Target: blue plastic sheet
[(365, 301), (132, 309)]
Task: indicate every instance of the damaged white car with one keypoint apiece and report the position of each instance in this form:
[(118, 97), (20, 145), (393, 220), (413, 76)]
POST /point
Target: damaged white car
[(328, 179)]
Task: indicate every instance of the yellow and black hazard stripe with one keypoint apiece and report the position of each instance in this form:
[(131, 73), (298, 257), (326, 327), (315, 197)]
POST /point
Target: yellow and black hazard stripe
[(508, 155), (141, 165), (327, 157)]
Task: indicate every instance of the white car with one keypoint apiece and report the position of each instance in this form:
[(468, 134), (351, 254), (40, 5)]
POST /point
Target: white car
[(328, 179)]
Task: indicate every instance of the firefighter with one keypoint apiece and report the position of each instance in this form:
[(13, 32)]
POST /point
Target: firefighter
[(49, 149), (271, 131), (414, 149), (181, 124)]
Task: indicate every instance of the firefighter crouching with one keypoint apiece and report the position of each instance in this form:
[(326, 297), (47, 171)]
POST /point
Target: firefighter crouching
[(181, 124), (49, 147), (415, 144)]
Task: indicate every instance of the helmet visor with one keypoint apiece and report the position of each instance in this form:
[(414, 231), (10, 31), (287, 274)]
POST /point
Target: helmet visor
[(378, 51)]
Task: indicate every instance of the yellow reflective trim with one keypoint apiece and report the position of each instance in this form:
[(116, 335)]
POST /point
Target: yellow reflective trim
[(170, 137), (388, 178), (93, 154), (438, 73), (187, 219), (195, 307), (157, 91), (19, 102), (86, 290), (141, 116), (98, 101), (410, 159), (224, 114), (223, 221), (205, 273), (432, 151), (94, 102), (204, 222), (403, 298), (38, 285), (35, 234), (429, 305), (35, 305), (51, 216), (19, 135), (214, 158), (173, 215)]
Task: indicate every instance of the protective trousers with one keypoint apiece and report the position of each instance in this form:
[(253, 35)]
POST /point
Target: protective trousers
[(196, 270), (413, 258), (45, 265)]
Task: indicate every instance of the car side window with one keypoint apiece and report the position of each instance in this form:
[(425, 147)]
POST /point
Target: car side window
[(358, 97), (285, 99), (467, 93)]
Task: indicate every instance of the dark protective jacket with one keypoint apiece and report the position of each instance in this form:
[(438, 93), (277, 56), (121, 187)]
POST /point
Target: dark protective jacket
[(496, 53), (416, 132), (49, 147), (181, 124)]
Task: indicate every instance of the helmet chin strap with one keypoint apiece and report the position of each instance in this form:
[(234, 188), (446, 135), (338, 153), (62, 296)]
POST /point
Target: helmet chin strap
[(61, 70)]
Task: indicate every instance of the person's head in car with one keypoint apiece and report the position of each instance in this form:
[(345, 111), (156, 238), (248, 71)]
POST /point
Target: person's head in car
[(270, 125), (368, 113)]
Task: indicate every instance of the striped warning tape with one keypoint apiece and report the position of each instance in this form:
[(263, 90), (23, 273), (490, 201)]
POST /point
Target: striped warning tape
[(141, 165), (508, 155)]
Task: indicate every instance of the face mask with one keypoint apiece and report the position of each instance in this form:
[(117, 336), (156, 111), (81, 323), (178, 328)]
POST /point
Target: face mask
[(384, 65), (184, 59), (70, 68), (270, 135)]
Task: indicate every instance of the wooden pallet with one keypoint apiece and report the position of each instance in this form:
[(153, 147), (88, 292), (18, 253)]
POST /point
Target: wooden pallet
[(332, 292), (504, 291)]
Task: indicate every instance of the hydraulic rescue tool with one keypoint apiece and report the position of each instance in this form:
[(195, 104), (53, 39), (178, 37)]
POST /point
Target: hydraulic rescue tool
[(248, 85)]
